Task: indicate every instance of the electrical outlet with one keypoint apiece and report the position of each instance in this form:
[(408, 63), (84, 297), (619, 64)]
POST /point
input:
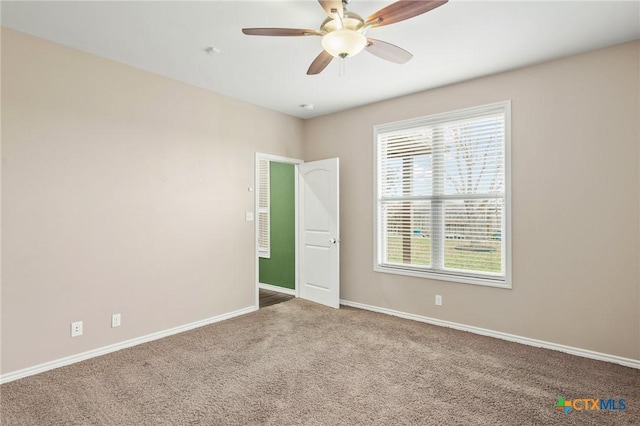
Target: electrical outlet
[(438, 300), (115, 320), (76, 329)]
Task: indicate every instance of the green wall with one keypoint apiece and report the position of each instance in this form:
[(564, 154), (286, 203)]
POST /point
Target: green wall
[(279, 270)]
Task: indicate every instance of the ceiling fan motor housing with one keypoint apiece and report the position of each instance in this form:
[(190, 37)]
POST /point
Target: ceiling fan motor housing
[(350, 20)]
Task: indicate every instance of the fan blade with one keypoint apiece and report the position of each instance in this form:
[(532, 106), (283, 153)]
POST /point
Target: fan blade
[(320, 63), (286, 32), (401, 10), (330, 5), (388, 51)]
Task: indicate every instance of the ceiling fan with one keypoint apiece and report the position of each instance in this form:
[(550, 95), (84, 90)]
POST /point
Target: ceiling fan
[(344, 32)]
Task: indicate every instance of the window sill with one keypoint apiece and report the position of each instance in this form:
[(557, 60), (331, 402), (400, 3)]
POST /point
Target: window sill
[(487, 282)]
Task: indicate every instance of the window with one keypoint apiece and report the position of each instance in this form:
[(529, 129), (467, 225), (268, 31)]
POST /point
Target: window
[(264, 220), (442, 196)]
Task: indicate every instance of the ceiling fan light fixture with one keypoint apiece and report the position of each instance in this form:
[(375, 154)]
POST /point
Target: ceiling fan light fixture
[(344, 42), (344, 32)]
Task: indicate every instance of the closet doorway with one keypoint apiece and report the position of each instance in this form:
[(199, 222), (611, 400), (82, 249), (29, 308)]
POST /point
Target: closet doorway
[(276, 227)]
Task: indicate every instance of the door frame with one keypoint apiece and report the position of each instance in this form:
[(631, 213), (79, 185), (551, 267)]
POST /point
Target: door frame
[(278, 159)]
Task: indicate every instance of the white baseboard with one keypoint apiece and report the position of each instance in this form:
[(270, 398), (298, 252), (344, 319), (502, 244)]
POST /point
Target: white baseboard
[(283, 290), (19, 374), (628, 362), (30, 371)]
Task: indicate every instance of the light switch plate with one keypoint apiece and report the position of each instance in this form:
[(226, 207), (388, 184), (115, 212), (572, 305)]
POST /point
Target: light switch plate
[(248, 216)]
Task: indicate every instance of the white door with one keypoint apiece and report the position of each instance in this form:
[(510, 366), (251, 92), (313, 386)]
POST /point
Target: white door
[(319, 232)]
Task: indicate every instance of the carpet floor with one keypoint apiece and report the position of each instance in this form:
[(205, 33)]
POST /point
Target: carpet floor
[(297, 363)]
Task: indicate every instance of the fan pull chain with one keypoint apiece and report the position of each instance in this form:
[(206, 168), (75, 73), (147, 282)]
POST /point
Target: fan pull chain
[(342, 68)]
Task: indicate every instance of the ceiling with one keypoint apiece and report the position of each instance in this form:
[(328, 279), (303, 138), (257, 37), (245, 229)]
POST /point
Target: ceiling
[(461, 40)]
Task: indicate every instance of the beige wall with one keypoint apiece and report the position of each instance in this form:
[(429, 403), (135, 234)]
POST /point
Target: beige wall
[(575, 159), (122, 191)]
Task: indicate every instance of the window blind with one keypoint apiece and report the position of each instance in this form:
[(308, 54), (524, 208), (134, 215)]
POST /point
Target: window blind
[(441, 194), (264, 236)]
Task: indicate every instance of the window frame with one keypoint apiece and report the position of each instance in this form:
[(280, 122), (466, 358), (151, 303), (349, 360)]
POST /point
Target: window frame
[(434, 119)]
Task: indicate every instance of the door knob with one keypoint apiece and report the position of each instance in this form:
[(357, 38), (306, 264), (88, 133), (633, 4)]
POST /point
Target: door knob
[(332, 240)]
